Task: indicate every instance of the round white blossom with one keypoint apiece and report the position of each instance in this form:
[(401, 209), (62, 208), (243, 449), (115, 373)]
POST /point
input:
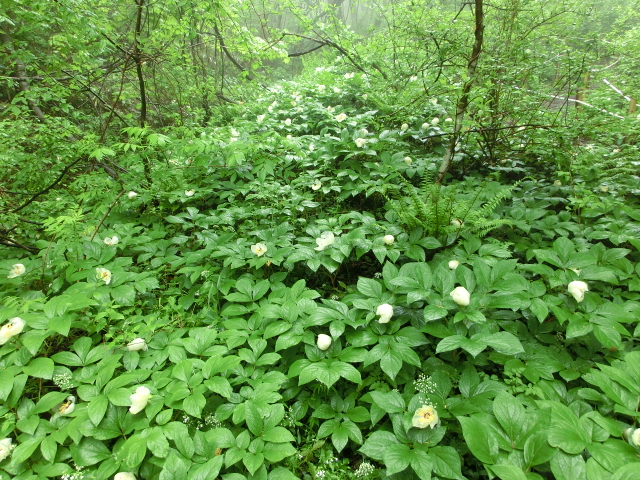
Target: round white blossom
[(577, 289), (139, 399), (189, 193), (461, 296), (388, 239), (325, 239), (385, 311), (132, 195), (103, 274), (111, 240), (260, 118), (287, 122), (341, 117), (124, 476), (435, 121), (404, 126), (16, 270), (316, 185), (323, 342), (361, 142), (137, 344), (6, 447), (259, 249), (10, 329), (408, 160), (453, 264)]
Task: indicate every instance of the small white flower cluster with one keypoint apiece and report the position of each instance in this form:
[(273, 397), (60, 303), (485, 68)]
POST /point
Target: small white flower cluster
[(77, 475), (63, 381), (424, 384), (364, 470)]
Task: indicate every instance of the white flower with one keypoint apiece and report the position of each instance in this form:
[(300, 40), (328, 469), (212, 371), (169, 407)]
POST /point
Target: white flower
[(324, 341), (435, 121), (408, 160), (336, 90), (124, 476), (434, 101), (137, 344), (365, 96), (312, 147), (557, 183), (326, 239), (461, 296), (349, 75), (448, 120), (385, 311), (103, 274), (13, 327), (287, 122), (139, 399), (259, 249), (456, 223), (331, 110), (364, 132), (577, 289), (67, 407), (426, 416), (413, 78), (404, 127), (189, 193), (604, 188), (388, 239), (317, 185), (16, 270), (5, 448), (321, 88), (635, 437), (132, 195), (424, 126), (453, 264), (111, 240), (341, 117), (260, 118), (360, 142)]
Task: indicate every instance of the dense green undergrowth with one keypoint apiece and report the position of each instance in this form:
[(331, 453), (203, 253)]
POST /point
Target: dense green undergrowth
[(272, 299)]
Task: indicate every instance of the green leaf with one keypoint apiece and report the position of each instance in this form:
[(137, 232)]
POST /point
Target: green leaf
[(40, 368), (23, 451), (253, 461), (421, 464), (397, 457), (157, 442), (504, 342), (390, 402), (370, 288), (537, 450), (207, 471), (508, 472), (194, 404), (89, 452), (48, 401), (568, 467), (434, 312), (281, 473), (511, 415), (253, 418), (446, 462), (480, 439), (278, 435), (566, 432), (375, 446), (97, 408)]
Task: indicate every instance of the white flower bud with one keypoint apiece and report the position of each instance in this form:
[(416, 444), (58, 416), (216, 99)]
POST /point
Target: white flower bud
[(577, 289), (132, 195), (124, 476), (461, 296), (386, 312), (139, 399), (137, 344), (324, 341), (453, 264), (388, 239)]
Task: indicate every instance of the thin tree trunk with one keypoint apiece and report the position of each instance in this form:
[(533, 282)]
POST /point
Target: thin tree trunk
[(137, 57), (21, 72), (463, 102)]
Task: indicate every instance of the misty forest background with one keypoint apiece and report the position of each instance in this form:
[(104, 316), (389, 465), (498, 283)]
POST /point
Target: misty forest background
[(346, 239)]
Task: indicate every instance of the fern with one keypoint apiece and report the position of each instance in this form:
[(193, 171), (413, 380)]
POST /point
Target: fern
[(434, 207)]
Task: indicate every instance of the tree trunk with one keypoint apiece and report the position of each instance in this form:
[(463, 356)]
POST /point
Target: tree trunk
[(463, 102)]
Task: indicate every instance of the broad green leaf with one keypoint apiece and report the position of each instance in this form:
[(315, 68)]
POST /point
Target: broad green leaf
[(508, 472), (397, 457), (480, 439), (568, 467)]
